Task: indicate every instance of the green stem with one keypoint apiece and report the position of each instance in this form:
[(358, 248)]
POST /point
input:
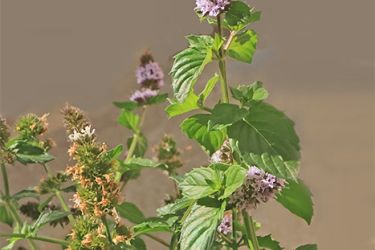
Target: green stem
[(9, 204), (250, 229), (222, 67), (5, 180), (234, 232), (108, 231), (40, 238), (133, 145), (157, 239), (59, 196), (174, 242), (64, 206)]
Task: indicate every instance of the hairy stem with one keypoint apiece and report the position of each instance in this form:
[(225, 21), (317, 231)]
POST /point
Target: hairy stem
[(222, 67), (234, 232), (250, 229), (40, 238), (157, 239)]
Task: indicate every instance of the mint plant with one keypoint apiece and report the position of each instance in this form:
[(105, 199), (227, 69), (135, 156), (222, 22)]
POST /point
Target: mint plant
[(252, 147)]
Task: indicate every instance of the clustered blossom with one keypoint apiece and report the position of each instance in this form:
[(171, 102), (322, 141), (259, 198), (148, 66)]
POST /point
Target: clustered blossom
[(85, 133), (150, 72), (141, 96), (168, 153), (225, 226), (224, 154), (98, 191), (258, 187), (150, 77), (211, 7)]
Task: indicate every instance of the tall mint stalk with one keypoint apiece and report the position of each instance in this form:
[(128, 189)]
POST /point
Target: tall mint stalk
[(252, 147)]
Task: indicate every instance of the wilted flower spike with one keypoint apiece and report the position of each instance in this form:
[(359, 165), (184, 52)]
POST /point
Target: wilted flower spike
[(74, 119), (224, 154), (4, 132), (211, 7), (225, 226), (259, 187)]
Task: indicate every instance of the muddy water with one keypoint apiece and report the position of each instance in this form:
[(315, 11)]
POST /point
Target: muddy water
[(316, 58)]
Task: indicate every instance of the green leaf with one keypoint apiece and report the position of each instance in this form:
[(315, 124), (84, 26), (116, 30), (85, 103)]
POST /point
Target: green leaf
[(179, 108), (225, 114), (130, 212), (268, 242), (308, 247), (157, 99), (274, 164), (141, 147), (200, 182), (196, 127), (248, 94), (296, 197), (129, 120), (234, 178), (29, 152), (139, 163), (208, 89), (266, 129), (114, 153), (189, 64), (128, 105), (243, 46), (199, 229), (47, 217), (5, 217), (175, 207), (239, 16), (151, 226), (26, 193)]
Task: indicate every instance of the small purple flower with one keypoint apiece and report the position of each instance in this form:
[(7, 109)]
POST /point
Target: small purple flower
[(225, 226), (259, 187), (141, 96), (211, 7)]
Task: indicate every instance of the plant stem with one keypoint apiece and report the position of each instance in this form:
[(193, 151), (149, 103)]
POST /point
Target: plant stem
[(157, 239), (9, 204), (107, 230), (222, 67), (133, 145), (59, 196), (234, 232), (229, 41), (5, 179), (40, 238), (64, 206), (250, 229), (174, 242)]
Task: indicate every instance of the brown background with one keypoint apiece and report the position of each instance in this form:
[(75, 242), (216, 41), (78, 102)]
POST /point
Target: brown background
[(315, 57)]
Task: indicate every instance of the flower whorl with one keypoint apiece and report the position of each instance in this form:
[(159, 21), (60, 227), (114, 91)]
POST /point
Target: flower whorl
[(259, 187)]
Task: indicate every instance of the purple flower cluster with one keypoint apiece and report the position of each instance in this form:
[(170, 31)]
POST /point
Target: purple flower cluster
[(141, 96), (211, 7), (150, 72), (150, 77), (225, 226), (258, 187)]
